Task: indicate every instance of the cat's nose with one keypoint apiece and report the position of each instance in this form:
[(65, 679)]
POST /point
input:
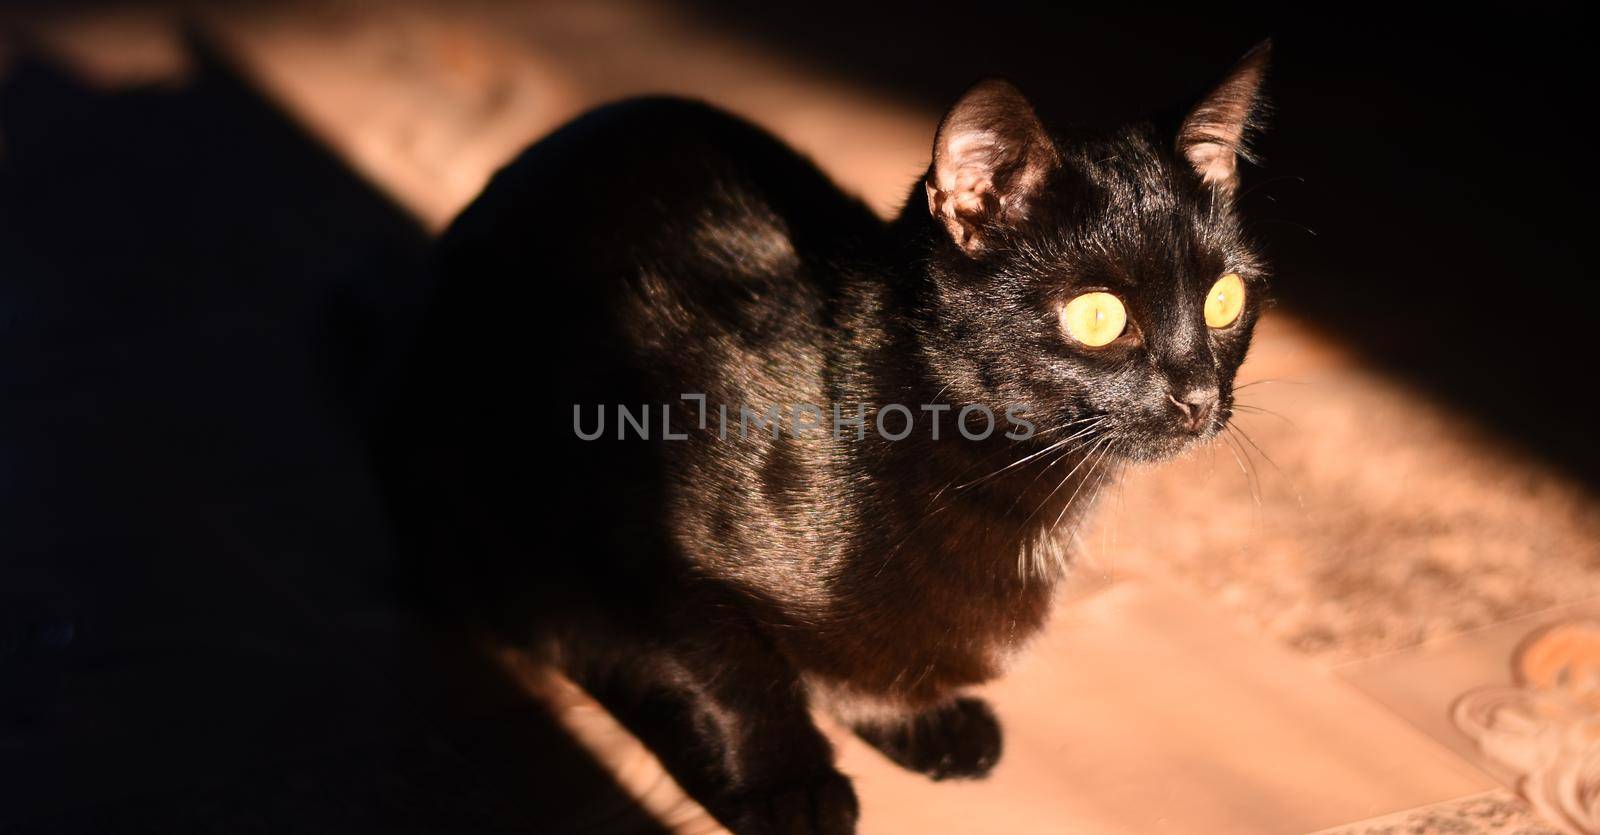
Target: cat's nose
[(1195, 406)]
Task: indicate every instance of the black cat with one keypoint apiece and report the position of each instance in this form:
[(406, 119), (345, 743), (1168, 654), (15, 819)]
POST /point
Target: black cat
[(789, 500)]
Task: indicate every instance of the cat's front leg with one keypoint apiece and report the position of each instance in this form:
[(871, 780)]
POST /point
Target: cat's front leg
[(958, 739), (782, 777), (727, 716)]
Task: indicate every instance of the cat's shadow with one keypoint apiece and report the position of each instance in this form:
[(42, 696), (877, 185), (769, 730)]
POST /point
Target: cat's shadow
[(200, 308)]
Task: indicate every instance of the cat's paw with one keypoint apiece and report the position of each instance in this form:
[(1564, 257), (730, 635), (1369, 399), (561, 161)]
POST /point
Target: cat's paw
[(958, 740), (823, 805)]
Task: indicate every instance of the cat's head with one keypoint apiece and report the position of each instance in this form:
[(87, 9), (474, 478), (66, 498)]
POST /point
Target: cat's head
[(1102, 279)]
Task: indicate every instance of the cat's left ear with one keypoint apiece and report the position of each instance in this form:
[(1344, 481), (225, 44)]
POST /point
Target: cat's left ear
[(989, 161), (1215, 134)]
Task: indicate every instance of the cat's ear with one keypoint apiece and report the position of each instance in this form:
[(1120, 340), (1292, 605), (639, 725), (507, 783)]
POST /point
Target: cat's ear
[(990, 159), (1215, 135)]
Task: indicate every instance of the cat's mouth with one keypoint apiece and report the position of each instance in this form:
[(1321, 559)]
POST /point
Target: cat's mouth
[(1165, 441)]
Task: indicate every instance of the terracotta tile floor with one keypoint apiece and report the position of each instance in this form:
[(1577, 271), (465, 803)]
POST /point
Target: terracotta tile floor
[(1279, 656)]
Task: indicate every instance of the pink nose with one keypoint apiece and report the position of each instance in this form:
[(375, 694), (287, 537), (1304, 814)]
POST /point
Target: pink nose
[(1195, 406)]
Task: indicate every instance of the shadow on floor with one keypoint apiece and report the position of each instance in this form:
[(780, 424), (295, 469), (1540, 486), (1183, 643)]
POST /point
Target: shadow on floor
[(199, 307)]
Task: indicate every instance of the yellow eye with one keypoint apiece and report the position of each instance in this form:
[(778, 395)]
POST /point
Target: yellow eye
[(1095, 319), (1224, 301)]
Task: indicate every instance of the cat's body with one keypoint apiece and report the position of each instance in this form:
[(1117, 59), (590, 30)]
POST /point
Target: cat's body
[(712, 588)]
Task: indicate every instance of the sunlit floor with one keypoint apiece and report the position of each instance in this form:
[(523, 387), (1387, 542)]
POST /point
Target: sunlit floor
[(1286, 633)]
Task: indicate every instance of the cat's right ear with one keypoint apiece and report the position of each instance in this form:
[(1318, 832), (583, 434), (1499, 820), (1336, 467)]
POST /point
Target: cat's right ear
[(990, 159), (1214, 136)]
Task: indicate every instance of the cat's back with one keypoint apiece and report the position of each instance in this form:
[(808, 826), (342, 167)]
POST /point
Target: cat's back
[(647, 249), (650, 227), (659, 181)]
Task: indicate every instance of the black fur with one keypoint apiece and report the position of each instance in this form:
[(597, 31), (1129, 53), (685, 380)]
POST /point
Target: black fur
[(711, 591)]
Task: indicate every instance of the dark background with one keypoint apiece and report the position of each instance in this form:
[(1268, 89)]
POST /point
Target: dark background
[(201, 311)]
